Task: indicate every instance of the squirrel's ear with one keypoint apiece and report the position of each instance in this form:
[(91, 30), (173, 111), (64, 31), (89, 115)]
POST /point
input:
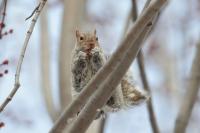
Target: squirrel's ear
[(77, 33), (95, 31)]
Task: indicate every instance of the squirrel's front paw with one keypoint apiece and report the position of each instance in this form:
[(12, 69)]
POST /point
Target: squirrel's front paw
[(96, 61), (82, 55)]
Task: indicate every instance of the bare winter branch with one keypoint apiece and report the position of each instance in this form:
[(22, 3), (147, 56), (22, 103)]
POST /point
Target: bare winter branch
[(152, 116), (191, 94), (2, 22), (19, 65)]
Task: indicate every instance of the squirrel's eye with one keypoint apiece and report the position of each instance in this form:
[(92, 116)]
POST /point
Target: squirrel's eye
[(96, 38), (81, 38)]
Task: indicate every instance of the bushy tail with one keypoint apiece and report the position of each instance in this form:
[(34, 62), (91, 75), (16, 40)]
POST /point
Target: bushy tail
[(132, 94)]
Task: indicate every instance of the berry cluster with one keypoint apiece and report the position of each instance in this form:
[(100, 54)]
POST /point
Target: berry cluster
[(2, 26), (4, 63)]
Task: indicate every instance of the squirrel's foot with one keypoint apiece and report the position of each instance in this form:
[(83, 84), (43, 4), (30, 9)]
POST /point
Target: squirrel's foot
[(135, 97)]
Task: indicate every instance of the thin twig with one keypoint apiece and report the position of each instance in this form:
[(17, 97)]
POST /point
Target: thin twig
[(140, 59), (98, 79), (33, 12), (150, 108), (191, 95), (19, 65), (3, 17)]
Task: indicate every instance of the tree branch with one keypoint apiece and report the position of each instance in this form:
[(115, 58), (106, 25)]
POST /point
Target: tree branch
[(2, 23), (190, 95), (150, 108), (100, 97), (19, 65)]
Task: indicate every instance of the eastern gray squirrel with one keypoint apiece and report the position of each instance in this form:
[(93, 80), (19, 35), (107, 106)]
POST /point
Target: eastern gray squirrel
[(87, 59)]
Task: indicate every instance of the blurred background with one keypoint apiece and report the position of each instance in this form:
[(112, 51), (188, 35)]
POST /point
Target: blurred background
[(168, 54)]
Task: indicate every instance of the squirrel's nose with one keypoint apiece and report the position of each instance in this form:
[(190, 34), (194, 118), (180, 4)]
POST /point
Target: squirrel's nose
[(91, 45)]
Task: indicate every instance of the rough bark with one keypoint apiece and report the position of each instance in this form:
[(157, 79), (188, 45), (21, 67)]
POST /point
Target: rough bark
[(191, 94)]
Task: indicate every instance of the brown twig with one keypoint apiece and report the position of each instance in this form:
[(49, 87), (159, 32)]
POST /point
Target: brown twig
[(2, 25), (19, 65), (33, 12), (140, 59), (115, 59), (191, 95), (150, 108)]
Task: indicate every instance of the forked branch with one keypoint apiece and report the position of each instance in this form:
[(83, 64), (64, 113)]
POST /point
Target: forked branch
[(19, 65)]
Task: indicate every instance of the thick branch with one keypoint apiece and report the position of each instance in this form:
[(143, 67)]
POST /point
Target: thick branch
[(45, 66), (100, 97), (115, 59), (190, 95), (19, 65)]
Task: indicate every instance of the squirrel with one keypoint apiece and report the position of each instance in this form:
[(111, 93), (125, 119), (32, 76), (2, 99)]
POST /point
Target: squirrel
[(87, 58)]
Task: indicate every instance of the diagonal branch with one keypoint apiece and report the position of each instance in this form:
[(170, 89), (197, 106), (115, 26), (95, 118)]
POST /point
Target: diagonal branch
[(19, 65), (115, 59), (100, 97), (190, 95)]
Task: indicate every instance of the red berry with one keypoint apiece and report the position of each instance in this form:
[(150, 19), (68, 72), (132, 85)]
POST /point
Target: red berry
[(5, 62), (2, 124)]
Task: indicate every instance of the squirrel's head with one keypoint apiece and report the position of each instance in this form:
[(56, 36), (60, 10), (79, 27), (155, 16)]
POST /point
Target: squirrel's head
[(86, 41)]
